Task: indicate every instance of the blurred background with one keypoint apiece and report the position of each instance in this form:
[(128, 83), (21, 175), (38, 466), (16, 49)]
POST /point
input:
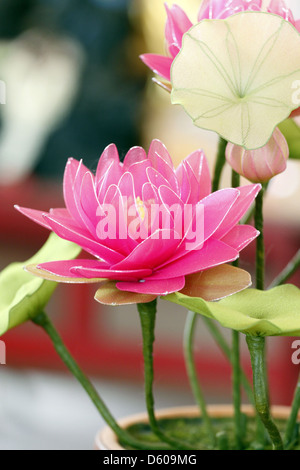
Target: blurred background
[(74, 84)]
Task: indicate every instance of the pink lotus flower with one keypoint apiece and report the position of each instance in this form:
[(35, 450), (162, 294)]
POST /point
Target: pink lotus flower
[(178, 23), (121, 195), (262, 164)]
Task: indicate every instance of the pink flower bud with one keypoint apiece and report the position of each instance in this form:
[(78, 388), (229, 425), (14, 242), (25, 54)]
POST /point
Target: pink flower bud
[(260, 165)]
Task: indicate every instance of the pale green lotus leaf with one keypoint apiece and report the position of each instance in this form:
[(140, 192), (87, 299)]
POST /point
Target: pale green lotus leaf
[(291, 132), (22, 295), (275, 312), (238, 76)]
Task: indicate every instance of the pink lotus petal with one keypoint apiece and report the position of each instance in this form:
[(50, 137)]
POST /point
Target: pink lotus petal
[(159, 287), (74, 170), (198, 171), (112, 176), (220, 9), (115, 223), (139, 174), (169, 197), (177, 24), (174, 209), (129, 275), (279, 7), (48, 276), (64, 268), (242, 204), (60, 212), (166, 171), (36, 216), (126, 187), (126, 209), (216, 207), (64, 230), (213, 253), (159, 64), (133, 156), (240, 236), (109, 155), (184, 182), (159, 156), (88, 203), (155, 178), (150, 252)]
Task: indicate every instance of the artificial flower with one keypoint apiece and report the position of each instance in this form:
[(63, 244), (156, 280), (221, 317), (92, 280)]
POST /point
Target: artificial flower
[(262, 164), (178, 24), (238, 88), (146, 225)]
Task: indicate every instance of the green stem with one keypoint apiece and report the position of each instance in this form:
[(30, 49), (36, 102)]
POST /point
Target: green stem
[(189, 333), (249, 215), (218, 337), (219, 165), (287, 272), (235, 179), (260, 262), (236, 368), (260, 248), (44, 322), (147, 313), (292, 421), (256, 346), (236, 382)]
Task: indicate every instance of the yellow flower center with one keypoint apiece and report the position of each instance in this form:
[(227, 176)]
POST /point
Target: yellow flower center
[(140, 207)]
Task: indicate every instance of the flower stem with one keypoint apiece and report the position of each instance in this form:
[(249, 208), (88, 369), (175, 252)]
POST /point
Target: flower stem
[(147, 312), (189, 332), (287, 272), (236, 382), (260, 248), (292, 421), (219, 165), (236, 368), (44, 322), (235, 179), (260, 284), (218, 337), (256, 346)]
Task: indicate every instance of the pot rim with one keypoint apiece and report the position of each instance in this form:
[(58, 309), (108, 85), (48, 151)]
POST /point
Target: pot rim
[(106, 439)]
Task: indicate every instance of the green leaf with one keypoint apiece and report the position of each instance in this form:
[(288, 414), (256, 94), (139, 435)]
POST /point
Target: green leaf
[(275, 312), (238, 76), (22, 295), (291, 132)]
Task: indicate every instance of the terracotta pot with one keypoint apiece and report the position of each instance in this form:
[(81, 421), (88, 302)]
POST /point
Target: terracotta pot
[(106, 439)]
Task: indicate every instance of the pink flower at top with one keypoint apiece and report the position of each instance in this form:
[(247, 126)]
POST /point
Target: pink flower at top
[(178, 23), (128, 217)]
